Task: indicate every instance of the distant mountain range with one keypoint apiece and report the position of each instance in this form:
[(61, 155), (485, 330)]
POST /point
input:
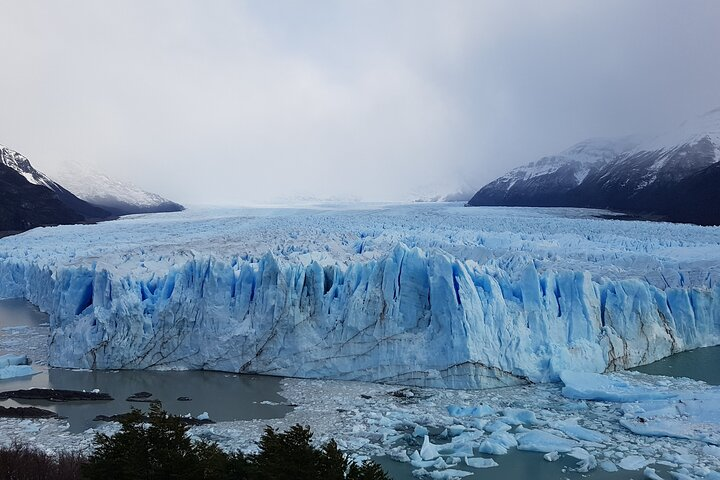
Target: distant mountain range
[(29, 198), (674, 177), (116, 197)]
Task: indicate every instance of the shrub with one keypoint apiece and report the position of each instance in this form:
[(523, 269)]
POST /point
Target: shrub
[(153, 448), (291, 456), (20, 462)]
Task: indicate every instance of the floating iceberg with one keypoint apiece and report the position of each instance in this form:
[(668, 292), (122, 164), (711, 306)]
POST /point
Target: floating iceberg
[(545, 442), (428, 295), (650, 410), (593, 386), (12, 366)]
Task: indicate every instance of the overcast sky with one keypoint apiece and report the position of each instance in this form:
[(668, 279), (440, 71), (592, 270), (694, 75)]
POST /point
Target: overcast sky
[(220, 102)]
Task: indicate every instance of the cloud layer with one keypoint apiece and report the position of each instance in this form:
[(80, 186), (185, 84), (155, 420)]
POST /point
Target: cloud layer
[(231, 102)]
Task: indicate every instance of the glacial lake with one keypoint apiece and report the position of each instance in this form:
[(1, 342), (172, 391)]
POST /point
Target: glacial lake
[(699, 364), (225, 396)]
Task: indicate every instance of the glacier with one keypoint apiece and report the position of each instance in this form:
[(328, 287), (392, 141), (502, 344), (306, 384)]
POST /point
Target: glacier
[(427, 295)]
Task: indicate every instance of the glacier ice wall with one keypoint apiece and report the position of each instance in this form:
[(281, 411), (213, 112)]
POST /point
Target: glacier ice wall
[(411, 316)]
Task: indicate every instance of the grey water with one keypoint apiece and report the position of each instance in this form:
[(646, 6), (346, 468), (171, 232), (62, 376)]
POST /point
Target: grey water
[(517, 464), (18, 312), (699, 364), (224, 396)]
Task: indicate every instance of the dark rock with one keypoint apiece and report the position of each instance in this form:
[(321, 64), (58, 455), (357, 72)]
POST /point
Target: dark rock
[(184, 399), (26, 412), (366, 397), (120, 417), (403, 393), (141, 400), (25, 205), (140, 397), (54, 395)]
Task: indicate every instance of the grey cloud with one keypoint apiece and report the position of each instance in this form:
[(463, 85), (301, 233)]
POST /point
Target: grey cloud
[(228, 102)]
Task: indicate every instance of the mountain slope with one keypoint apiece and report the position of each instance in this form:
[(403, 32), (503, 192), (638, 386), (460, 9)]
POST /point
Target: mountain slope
[(22, 166), (647, 179), (547, 181), (117, 197), (29, 199), (697, 198)]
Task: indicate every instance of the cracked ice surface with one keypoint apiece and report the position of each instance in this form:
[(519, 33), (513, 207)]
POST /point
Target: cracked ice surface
[(430, 295)]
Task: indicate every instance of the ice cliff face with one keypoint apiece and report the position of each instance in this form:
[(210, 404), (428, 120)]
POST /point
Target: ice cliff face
[(390, 304)]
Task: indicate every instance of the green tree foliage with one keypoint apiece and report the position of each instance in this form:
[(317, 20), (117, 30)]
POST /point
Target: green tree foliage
[(156, 447)]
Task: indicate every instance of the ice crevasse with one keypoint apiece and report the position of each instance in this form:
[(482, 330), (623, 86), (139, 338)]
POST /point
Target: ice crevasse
[(411, 316)]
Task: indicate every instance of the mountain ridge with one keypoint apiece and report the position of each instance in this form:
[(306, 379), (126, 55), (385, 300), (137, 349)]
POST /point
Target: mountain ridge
[(119, 198), (640, 177)]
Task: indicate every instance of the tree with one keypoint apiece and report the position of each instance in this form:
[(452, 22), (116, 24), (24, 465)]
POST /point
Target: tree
[(157, 446)]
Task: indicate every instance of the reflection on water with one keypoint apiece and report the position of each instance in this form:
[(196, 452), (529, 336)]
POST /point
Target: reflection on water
[(17, 312), (224, 396), (698, 364)]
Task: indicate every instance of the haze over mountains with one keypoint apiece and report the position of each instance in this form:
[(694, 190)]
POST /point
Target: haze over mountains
[(29, 198), (673, 176), (119, 198)]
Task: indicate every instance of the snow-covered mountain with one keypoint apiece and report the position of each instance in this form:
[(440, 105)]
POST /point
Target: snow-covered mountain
[(120, 198), (545, 182), (28, 198), (636, 177)]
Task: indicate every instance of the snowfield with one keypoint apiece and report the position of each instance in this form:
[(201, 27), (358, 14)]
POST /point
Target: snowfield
[(427, 295)]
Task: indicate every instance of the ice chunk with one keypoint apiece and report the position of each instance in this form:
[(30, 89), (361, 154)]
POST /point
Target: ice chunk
[(492, 447), (460, 449), (608, 466), (634, 462), (8, 360), (587, 461), (711, 450), (677, 427), (449, 474), (573, 430), (13, 371), (497, 425), (203, 416), (551, 456), (476, 411), (417, 461), (478, 462), (428, 450), (682, 475), (651, 474), (518, 416), (503, 438), (607, 388), (420, 431), (542, 441)]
